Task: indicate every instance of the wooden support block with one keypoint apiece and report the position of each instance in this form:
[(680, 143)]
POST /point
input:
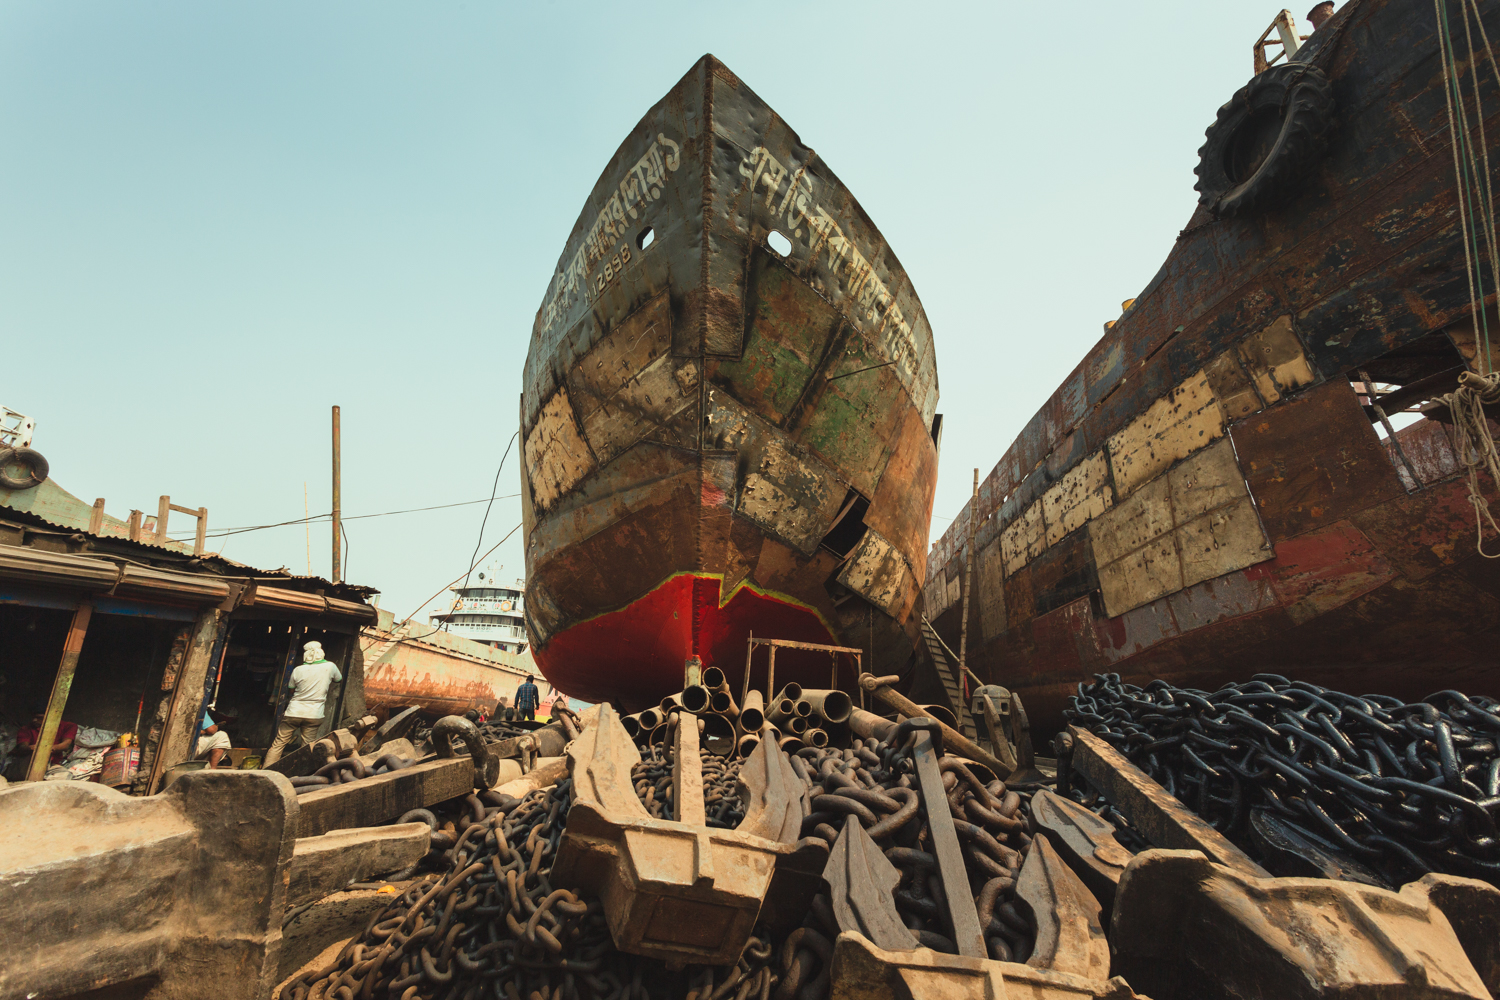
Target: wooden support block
[(321, 931), (382, 798), (321, 865), (1151, 809)]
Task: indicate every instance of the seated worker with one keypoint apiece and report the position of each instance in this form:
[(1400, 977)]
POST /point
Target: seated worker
[(62, 743), (213, 742)]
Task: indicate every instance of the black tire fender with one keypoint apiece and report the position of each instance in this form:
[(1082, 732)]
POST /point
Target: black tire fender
[(1268, 136), (36, 465)]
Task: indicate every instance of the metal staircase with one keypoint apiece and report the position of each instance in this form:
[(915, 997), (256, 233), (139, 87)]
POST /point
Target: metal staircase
[(945, 663), (374, 655)]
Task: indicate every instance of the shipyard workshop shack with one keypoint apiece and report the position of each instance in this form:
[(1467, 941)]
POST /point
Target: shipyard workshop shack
[(105, 625)]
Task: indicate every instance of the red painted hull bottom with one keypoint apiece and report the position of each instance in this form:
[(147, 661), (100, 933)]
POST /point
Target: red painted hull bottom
[(634, 657)]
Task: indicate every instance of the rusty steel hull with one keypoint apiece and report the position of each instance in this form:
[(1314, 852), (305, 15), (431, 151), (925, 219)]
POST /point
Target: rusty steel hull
[(1205, 496), (721, 437), (441, 673)]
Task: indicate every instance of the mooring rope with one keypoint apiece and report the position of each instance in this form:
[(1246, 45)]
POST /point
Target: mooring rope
[(1472, 440)]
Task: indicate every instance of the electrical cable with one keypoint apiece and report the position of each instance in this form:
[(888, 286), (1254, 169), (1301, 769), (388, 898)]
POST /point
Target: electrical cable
[(353, 517), (444, 587), (493, 490)]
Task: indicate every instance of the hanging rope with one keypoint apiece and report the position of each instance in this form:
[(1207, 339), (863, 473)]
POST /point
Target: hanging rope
[(1474, 443), (1472, 440)]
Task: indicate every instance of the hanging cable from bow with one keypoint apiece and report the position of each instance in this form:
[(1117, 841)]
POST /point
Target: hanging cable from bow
[(1473, 442)]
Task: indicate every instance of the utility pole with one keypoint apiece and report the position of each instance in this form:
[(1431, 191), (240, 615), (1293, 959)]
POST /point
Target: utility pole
[(337, 474)]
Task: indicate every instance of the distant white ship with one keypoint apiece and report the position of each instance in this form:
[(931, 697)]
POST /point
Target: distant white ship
[(487, 612)]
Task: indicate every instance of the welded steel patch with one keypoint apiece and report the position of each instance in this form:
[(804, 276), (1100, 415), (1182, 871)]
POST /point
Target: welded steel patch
[(1275, 360), (1172, 428), (876, 572), (1024, 539), (1193, 524), (557, 456), (1084, 492), (990, 590)]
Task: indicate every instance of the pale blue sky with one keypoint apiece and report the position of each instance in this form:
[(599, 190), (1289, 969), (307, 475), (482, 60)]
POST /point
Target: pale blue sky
[(218, 219)]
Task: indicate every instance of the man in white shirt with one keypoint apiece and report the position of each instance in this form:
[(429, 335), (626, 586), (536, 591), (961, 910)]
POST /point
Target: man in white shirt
[(308, 691)]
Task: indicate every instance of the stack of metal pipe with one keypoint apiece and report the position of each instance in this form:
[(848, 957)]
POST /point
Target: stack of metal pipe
[(798, 718)]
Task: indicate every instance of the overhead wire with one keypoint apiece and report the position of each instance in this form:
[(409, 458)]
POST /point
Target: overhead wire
[(355, 517), (473, 559), (444, 587)]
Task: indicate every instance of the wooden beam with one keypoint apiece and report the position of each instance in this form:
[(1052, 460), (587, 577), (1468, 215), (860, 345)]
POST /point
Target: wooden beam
[(383, 797), (1152, 810), (180, 734), (41, 754)]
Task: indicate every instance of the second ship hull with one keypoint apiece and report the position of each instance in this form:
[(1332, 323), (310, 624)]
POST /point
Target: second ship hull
[(1208, 495)]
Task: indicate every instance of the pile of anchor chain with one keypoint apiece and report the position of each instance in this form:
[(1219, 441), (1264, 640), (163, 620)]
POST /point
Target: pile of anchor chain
[(876, 783), (722, 802), (348, 769), (1404, 788), (490, 922)]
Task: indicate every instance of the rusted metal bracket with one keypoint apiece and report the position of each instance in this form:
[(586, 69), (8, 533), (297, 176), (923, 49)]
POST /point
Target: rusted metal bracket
[(1086, 842), (881, 688), (1185, 927), (678, 890), (861, 881), (862, 971), (1153, 812), (396, 727), (963, 918), (990, 702), (486, 764), (1069, 936)]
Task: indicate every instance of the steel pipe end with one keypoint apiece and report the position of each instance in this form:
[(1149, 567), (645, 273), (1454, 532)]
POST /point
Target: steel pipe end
[(632, 724), (714, 679), (649, 719), (797, 724), (717, 735), (751, 720), (791, 691), (747, 744), (816, 738), (832, 705), (694, 698)]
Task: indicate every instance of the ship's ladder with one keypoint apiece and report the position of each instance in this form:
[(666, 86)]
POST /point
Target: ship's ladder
[(944, 662), (374, 655)]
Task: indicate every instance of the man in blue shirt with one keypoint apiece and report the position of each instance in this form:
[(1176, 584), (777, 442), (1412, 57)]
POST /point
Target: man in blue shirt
[(527, 700)]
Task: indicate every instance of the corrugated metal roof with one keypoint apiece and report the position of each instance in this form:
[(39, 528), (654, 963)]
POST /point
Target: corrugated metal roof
[(51, 505)]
